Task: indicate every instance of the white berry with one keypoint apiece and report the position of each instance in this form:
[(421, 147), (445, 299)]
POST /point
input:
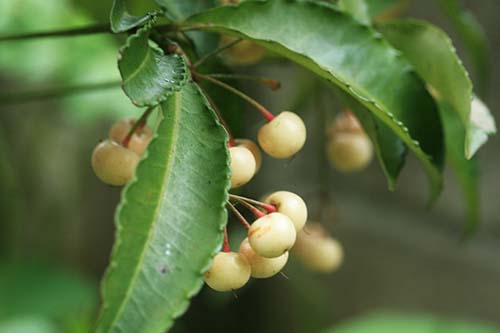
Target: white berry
[(262, 267), (317, 250), (291, 205), (349, 152), (254, 149), (113, 163), (229, 271), (272, 235), (139, 140), (283, 136), (242, 166)]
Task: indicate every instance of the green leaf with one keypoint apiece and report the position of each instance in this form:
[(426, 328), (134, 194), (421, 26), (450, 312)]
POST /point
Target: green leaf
[(169, 221), (391, 322), (432, 54), (348, 54), (149, 76), (357, 8), (121, 20), (474, 38)]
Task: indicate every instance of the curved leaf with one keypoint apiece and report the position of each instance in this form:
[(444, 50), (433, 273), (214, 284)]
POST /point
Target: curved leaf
[(348, 54), (122, 21), (149, 76), (474, 38), (170, 220), (431, 52)]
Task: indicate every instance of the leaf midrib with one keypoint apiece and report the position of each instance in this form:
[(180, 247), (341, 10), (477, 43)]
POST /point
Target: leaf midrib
[(139, 68), (155, 220)]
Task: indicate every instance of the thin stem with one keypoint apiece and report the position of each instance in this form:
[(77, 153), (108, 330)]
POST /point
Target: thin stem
[(29, 96), (270, 83), (268, 207), (138, 125), (92, 29), (209, 55), (231, 142), (252, 209), (268, 115), (238, 215), (226, 247)]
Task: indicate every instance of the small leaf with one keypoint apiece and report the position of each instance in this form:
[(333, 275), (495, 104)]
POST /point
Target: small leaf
[(473, 37), (481, 126), (122, 21), (149, 76), (357, 8), (349, 55), (169, 221)]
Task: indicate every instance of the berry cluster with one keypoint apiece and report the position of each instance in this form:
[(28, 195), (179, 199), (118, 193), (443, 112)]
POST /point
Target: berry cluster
[(114, 160), (349, 149)]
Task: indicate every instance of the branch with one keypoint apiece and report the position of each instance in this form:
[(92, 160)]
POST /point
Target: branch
[(92, 29), (29, 96)]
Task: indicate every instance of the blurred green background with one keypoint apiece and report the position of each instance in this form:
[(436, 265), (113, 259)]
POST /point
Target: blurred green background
[(405, 270)]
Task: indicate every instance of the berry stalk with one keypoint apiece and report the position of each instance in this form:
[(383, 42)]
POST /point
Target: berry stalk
[(268, 207), (215, 52), (238, 215), (265, 112), (138, 125)]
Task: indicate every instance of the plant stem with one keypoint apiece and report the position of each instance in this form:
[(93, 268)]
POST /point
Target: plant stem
[(29, 96), (209, 55), (138, 125), (238, 215), (91, 29), (226, 247), (268, 115), (268, 207), (270, 83), (231, 142), (252, 209)]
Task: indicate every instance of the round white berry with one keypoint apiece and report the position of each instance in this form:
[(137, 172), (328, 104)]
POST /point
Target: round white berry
[(262, 267), (229, 271), (317, 250), (349, 152), (283, 136), (242, 166), (291, 205), (272, 235), (254, 149), (113, 163)]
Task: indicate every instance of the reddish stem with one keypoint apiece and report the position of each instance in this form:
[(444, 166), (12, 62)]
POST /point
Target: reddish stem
[(268, 207), (238, 215), (226, 247), (138, 126)]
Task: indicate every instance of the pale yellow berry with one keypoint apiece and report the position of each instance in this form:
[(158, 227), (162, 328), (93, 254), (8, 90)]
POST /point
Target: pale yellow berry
[(113, 163), (243, 53), (252, 146), (349, 152), (283, 136), (262, 267), (229, 271), (291, 205), (242, 166), (272, 235), (317, 250), (139, 140)]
